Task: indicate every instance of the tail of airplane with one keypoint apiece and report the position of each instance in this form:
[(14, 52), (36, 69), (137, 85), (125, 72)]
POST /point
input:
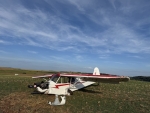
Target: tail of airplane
[(96, 71)]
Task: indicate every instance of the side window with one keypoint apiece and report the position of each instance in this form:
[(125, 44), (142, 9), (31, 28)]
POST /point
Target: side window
[(63, 80), (55, 78), (59, 80), (72, 80)]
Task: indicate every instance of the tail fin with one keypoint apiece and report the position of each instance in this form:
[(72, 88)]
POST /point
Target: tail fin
[(96, 71)]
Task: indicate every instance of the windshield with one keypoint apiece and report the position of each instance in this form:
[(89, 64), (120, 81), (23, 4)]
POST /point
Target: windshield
[(54, 78)]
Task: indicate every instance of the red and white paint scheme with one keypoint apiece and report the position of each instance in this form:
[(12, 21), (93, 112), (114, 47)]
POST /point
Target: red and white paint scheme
[(65, 84)]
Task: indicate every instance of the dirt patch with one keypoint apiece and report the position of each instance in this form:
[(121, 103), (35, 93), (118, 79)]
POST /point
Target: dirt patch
[(25, 103)]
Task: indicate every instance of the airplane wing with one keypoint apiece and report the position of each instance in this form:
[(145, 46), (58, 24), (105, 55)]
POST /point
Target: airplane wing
[(44, 76), (106, 78)]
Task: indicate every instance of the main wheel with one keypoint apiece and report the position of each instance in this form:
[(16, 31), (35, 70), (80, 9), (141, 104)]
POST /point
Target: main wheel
[(69, 91)]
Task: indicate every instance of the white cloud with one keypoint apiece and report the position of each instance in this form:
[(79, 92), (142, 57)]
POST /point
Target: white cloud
[(4, 42), (56, 58), (78, 30), (1, 51), (136, 56), (113, 3), (90, 67), (38, 28), (1, 41), (33, 52), (104, 56)]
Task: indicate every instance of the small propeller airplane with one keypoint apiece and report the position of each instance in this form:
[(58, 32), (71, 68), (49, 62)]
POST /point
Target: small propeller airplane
[(65, 84)]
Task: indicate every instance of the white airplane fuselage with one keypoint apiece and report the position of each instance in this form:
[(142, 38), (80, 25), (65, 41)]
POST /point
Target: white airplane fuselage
[(62, 88), (65, 84)]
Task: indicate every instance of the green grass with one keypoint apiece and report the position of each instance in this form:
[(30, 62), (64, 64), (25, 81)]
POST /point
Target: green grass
[(23, 72), (129, 97)]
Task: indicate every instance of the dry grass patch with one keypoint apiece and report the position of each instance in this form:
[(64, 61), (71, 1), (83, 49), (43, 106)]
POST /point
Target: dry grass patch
[(25, 103)]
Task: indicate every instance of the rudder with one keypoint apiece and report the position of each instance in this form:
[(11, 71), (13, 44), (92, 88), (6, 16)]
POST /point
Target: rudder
[(96, 71)]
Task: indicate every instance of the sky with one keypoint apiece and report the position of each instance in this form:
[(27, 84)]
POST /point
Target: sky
[(76, 35)]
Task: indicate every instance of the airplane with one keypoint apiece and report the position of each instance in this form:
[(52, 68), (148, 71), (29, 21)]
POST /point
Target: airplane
[(65, 84)]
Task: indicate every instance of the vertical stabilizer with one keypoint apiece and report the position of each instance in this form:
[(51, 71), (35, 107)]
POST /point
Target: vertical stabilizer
[(96, 71)]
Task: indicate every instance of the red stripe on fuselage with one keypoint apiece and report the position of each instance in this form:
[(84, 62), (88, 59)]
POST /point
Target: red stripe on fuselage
[(58, 85)]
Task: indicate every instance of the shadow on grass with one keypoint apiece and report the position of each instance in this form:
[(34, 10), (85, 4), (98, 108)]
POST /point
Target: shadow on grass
[(89, 91), (36, 92)]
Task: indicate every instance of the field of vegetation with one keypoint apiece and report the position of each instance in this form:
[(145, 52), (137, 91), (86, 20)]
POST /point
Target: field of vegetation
[(16, 97)]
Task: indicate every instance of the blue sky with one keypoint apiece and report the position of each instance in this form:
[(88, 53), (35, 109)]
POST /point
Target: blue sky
[(76, 35)]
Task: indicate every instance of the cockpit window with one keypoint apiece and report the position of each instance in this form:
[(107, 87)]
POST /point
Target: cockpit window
[(54, 78), (62, 79)]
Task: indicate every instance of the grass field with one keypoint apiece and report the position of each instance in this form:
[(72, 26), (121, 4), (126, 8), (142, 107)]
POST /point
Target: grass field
[(129, 97)]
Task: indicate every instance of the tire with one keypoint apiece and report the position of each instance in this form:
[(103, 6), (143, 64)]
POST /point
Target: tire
[(69, 91)]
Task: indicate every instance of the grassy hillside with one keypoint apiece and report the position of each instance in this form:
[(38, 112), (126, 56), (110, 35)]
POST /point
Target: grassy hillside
[(141, 78), (130, 97), (22, 72)]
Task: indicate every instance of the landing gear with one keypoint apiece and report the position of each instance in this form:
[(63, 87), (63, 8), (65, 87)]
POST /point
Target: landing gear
[(70, 92), (57, 102)]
